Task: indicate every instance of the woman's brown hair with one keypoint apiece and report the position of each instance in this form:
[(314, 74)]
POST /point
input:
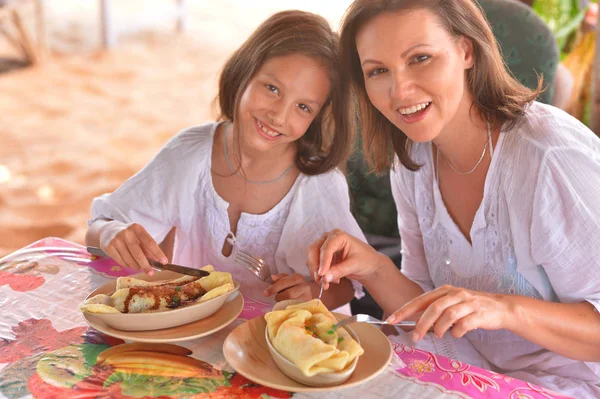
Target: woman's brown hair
[(328, 141), (497, 95)]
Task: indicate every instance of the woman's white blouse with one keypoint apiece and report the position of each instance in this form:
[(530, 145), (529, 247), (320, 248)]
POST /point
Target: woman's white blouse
[(536, 233), (175, 190)]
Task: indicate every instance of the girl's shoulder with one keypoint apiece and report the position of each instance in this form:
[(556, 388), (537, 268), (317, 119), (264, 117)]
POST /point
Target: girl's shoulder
[(185, 155), (193, 138), (321, 190), (331, 180)]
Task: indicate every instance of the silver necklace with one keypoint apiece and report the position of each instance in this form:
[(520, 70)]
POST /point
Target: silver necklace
[(485, 147), (235, 172)]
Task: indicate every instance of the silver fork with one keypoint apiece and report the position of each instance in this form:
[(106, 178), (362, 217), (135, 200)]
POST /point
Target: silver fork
[(254, 264), (365, 318)]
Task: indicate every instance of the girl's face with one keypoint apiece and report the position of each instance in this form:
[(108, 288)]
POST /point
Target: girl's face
[(414, 71), (281, 101)]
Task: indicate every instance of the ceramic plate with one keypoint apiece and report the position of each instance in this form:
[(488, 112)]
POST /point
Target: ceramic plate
[(159, 320), (198, 329), (246, 351), (206, 317)]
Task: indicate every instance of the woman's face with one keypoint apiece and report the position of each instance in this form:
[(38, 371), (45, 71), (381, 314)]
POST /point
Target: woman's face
[(282, 100), (415, 71)]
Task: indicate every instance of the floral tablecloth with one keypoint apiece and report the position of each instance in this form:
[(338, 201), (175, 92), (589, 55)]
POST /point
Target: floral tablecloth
[(48, 351)]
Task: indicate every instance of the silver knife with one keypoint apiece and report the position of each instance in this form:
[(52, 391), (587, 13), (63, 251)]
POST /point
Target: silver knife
[(157, 265)]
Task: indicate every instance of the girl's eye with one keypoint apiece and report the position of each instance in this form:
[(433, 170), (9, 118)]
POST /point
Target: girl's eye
[(376, 71), (272, 88), (420, 58), (304, 108)]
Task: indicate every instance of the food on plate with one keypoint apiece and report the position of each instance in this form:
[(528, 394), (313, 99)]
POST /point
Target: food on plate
[(138, 296), (303, 334)]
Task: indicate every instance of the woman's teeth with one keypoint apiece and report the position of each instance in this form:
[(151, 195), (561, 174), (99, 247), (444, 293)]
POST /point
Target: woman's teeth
[(414, 108), (267, 131)]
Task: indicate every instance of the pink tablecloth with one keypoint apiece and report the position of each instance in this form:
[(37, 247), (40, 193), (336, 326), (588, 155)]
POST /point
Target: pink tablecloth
[(48, 351)]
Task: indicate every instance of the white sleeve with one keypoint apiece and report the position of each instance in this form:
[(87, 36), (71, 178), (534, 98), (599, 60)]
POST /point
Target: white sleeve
[(321, 204), (154, 196), (565, 227), (414, 263)]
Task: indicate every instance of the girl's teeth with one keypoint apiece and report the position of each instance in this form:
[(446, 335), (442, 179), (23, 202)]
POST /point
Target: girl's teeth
[(268, 132)]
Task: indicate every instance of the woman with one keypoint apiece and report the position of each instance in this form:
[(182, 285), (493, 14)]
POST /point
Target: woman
[(498, 196)]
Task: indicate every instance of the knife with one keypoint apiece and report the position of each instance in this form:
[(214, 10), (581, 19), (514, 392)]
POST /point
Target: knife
[(157, 265)]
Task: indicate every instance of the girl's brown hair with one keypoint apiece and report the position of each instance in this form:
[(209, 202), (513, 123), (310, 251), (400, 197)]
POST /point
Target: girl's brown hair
[(328, 141), (497, 95)]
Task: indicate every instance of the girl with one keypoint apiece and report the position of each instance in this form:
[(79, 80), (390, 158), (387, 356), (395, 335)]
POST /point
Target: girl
[(498, 197), (262, 180)]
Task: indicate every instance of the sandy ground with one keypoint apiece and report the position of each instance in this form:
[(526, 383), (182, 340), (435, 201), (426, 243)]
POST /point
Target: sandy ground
[(86, 119)]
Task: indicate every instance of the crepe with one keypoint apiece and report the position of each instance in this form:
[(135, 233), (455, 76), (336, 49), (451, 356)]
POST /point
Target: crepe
[(303, 334), (128, 282), (140, 296)]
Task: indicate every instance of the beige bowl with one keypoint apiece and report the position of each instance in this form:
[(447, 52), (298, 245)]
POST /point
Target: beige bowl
[(294, 372)]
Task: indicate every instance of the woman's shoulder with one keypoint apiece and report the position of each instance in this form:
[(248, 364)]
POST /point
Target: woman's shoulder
[(545, 128), (420, 153), (544, 141)]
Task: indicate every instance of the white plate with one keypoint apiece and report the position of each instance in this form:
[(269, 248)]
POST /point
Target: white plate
[(158, 320)]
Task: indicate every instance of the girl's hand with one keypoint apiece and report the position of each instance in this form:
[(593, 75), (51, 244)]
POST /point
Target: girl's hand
[(291, 286), (463, 309), (130, 245), (337, 254)]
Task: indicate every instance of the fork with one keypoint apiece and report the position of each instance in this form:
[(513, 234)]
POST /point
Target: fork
[(365, 318), (254, 264)]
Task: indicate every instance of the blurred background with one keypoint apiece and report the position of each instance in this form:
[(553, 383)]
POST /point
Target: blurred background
[(90, 90), (94, 108)]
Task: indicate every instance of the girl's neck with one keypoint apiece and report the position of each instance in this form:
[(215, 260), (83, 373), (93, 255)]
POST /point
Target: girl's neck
[(252, 159)]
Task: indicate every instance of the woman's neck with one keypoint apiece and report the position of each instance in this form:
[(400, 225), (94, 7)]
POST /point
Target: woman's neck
[(463, 140)]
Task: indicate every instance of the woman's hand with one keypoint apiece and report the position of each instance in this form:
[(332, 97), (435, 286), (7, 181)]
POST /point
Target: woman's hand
[(130, 245), (337, 254), (463, 309), (291, 286)]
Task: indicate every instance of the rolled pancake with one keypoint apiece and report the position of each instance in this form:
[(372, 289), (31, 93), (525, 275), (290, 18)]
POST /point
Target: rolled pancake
[(302, 334), (128, 282), (218, 291), (159, 297), (98, 308)]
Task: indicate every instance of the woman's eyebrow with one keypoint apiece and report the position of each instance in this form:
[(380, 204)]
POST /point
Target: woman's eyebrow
[(404, 54)]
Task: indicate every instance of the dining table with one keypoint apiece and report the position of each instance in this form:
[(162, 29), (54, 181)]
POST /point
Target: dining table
[(48, 348)]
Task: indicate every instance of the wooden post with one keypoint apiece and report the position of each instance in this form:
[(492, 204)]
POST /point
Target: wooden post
[(24, 38), (105, 24), (181, 15), (595, 111), (40, 22)]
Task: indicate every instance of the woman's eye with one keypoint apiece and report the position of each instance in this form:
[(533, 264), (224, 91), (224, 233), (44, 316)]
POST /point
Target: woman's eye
[(376, 71), (420, 58), (304, 108), (272, 88)]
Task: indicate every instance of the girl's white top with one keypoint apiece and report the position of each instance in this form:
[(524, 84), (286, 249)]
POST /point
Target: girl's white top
[(536, 234), (175, 190)]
